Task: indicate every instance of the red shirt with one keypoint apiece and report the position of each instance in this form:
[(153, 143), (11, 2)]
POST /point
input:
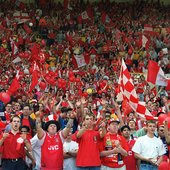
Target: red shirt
[(109, 143), (52, 153), (11, 149), (130, 161), (25, 122), (88, 153)]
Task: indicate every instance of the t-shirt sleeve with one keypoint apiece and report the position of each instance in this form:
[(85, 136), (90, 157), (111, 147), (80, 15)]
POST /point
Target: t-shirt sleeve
[(162, 149), (137, 146)]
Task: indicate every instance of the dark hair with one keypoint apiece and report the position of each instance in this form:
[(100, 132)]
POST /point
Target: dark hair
[(27, 105), (24, 126), (124, 127), (35, 107), (64, 109)]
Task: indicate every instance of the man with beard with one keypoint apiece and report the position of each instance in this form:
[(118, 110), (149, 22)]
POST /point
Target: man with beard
[(14, 144)]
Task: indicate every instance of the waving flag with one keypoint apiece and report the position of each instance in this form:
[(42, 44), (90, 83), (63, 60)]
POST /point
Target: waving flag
[(34, 81), (156, 75), (80, 60), (13, 47), (128, 91), (15, 85)]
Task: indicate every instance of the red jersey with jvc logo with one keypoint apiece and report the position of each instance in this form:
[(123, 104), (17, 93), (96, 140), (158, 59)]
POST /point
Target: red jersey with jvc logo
[(52, 153)]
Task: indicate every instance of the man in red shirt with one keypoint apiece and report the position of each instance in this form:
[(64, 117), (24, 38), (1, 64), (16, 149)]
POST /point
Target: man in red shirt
[(51, 142), (88, 155), (113, 147), (13, 143), (27, 120), (130, 161)]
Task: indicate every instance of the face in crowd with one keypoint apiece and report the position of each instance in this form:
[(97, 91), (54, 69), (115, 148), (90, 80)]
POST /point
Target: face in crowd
[(89, 121), (8, 108), (52, 129), (113, 127), (15, 123)]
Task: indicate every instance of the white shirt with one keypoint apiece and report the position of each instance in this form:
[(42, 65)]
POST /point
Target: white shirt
[(149, 147), (70, 163), (36, 151)]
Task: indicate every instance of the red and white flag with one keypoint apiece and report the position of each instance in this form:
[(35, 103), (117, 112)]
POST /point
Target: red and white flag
[(13, 47), (148, 28), (67, 4), (17, 60), (144, 41), (21, 17), (156, 75), (128, 91), (80, 60), (105, 18), (84, 15)]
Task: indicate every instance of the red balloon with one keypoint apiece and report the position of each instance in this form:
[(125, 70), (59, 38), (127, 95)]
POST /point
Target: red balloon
[(5, 97), (42, 85), (163, 166), (161, 119), (168, 120)]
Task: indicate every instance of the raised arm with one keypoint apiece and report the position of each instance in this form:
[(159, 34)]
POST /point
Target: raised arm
[(40, 131)]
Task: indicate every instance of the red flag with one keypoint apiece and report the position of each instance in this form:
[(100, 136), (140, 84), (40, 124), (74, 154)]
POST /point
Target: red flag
[(105, 18), (27, 29), (15, 85), (34, 80), (128, 91)]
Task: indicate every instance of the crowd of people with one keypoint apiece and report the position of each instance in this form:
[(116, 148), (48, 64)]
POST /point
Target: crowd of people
[(60, 103)]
